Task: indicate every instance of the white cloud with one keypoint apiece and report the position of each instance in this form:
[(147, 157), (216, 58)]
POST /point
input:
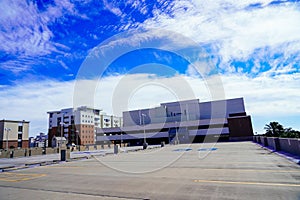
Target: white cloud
[(235, 29), (111, 7), (25, 29), (31, 101)]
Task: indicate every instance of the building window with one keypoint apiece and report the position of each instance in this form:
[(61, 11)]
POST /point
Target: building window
[(20, 128)]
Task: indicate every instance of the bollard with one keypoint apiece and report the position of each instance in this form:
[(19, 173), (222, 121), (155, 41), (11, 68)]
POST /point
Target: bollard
[(62, 155), (145, 145), (11, 154), (116, 149), (68, 154)]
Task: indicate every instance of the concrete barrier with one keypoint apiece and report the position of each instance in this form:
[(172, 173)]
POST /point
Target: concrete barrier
[(19, 153), (261, 140), (4, 154), (254, 139), (258, 140), (15, 153), (266, 141), (36, 151), (290, 145), (51, 151), (83, 148), (91, 148), (273, 143)]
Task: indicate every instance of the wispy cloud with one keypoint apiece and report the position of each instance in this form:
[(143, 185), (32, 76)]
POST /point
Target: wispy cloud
[(237, 29), (26, 33), (24, 28), (111, 7)]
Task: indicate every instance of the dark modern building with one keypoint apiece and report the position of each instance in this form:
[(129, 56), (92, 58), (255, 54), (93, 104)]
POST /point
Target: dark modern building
[(183, 122)]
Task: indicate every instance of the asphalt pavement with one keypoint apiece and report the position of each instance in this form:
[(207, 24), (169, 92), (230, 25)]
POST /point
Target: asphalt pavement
[(238, 170)]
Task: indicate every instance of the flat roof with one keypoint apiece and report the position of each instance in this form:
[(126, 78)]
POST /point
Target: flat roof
[(15, 121)]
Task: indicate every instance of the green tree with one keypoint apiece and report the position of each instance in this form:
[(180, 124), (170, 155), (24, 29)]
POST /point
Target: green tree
[(274, 129), (290, 133)]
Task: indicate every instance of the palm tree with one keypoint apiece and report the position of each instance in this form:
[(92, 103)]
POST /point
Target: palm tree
[(274, 129)]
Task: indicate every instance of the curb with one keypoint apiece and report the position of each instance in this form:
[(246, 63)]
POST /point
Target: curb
[(4, 168)]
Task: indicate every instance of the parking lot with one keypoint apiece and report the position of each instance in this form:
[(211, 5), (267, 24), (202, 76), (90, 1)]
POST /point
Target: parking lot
[(240, 170)]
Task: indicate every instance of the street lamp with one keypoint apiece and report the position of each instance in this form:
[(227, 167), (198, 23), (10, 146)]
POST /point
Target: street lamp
[(77, 136), (121, 139), (177, 140), (145, 144), (62, 125), (7, 131)]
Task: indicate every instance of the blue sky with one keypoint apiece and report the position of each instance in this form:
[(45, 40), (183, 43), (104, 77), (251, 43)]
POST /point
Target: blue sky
[(253, 46)]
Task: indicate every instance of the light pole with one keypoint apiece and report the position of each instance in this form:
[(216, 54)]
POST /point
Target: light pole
[(62, 124), (177, 141), (7, 131), (77, 136), (145, 143), (121, 139)]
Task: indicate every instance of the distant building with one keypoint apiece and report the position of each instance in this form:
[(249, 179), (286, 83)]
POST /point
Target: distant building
[(79, 125), (183, 122), (14, 134), (58, 142), (40, 140)]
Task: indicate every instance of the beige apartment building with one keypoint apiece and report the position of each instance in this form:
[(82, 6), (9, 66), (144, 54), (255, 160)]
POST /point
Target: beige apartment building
[(14, 134)]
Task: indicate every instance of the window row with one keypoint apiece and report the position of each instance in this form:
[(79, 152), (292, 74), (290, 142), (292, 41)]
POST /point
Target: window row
[(87, 116), (87, 136), (87, 121), (83, 131)]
